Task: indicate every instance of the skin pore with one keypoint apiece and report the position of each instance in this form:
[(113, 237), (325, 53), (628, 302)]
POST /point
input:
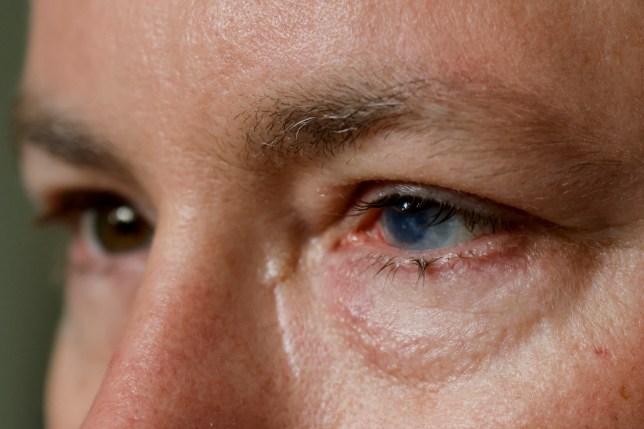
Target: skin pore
[(264, 143)]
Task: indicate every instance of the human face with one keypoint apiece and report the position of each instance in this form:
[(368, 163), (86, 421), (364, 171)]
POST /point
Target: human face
[(342, 214)]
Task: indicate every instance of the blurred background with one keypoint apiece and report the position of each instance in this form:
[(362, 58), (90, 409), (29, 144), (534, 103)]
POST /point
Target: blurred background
[(29, 287)]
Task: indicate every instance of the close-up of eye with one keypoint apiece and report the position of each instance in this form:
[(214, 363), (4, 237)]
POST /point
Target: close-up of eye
[(412, 217), (105, 222), (413, 228)]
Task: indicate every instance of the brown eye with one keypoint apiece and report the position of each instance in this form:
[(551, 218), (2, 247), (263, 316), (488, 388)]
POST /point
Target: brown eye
[(116, 228)]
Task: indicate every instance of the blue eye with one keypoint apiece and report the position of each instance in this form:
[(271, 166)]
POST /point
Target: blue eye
[(424, 225), (423, 218)]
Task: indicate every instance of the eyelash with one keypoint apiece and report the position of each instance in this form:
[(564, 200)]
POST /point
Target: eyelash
[(66, 208), (472, 218), (104, 222)]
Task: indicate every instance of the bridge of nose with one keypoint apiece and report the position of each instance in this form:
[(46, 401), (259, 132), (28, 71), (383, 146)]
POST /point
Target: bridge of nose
[(202, 345)]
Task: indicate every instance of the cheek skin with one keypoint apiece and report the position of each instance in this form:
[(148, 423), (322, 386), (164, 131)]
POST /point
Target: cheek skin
[(552, 358), (72, 381), (463, 315), (98, 298), (557, 376)]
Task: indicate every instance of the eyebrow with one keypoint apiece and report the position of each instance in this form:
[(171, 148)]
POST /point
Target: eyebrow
[(296, 123), (61, 137), (309, 125), (306, 124)]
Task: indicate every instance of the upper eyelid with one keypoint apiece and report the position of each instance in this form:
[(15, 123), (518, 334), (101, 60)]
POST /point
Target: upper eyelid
[(65, 205), (453, 198), (48, 177)]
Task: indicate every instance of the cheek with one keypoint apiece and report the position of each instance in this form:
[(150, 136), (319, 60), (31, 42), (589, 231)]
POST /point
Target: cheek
[(450, 321), (72, 381), (99, 296)]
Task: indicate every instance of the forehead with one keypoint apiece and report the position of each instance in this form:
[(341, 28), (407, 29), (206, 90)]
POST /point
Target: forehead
[(219, 42), (176, 65)]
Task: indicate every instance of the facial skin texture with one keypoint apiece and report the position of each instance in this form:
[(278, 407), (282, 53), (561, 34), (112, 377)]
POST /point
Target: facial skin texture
[(259, 302)]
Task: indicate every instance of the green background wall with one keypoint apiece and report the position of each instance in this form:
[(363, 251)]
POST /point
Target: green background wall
[(29, 291)]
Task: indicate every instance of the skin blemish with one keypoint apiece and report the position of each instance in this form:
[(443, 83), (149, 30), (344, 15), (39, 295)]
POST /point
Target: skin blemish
[(624, 393), (603, 352)]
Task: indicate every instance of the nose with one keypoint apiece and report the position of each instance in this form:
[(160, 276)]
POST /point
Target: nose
[(200, 349)]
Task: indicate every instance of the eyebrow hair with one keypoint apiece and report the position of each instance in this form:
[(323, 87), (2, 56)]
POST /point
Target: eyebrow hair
[(318, 121), (309, 124), (61, 137)]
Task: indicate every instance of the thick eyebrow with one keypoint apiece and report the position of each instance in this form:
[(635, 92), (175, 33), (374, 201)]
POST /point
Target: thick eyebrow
[(511, 130), (313, 124), (309, 125), (297, 124), (61, 137)]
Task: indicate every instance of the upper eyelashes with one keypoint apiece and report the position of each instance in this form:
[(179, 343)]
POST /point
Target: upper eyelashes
[(106, 221), (410, 219)]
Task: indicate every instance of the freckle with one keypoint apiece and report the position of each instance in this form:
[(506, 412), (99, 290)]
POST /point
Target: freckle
[(602, 352), (624, 393)]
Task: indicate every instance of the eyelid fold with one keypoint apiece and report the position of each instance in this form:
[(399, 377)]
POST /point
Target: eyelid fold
[(379, 195), (67, 206)]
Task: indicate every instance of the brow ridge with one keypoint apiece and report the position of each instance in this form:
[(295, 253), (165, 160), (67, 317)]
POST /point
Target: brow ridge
[(65, 139)]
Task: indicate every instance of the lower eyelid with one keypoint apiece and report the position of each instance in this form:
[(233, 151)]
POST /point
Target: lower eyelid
[(482, 253), (401, 309), (465, 306), (486, 280)]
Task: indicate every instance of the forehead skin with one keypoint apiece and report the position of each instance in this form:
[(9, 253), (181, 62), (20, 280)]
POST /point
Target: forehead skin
[(167, 80), (197, 58)]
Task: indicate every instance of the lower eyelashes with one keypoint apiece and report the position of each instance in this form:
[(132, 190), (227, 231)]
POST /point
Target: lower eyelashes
[(417, 229), (499, 253)]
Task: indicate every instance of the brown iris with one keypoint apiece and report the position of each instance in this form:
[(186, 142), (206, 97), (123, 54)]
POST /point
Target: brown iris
[(118, 228)]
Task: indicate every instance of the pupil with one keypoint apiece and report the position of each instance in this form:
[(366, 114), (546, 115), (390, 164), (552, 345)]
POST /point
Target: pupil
[(410, 227), (120, 229), (404, 227)]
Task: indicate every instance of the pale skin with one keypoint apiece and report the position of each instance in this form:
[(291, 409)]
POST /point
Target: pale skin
[(263, 299)]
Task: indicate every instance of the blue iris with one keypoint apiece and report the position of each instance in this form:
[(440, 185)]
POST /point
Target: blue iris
[(427, 228)]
